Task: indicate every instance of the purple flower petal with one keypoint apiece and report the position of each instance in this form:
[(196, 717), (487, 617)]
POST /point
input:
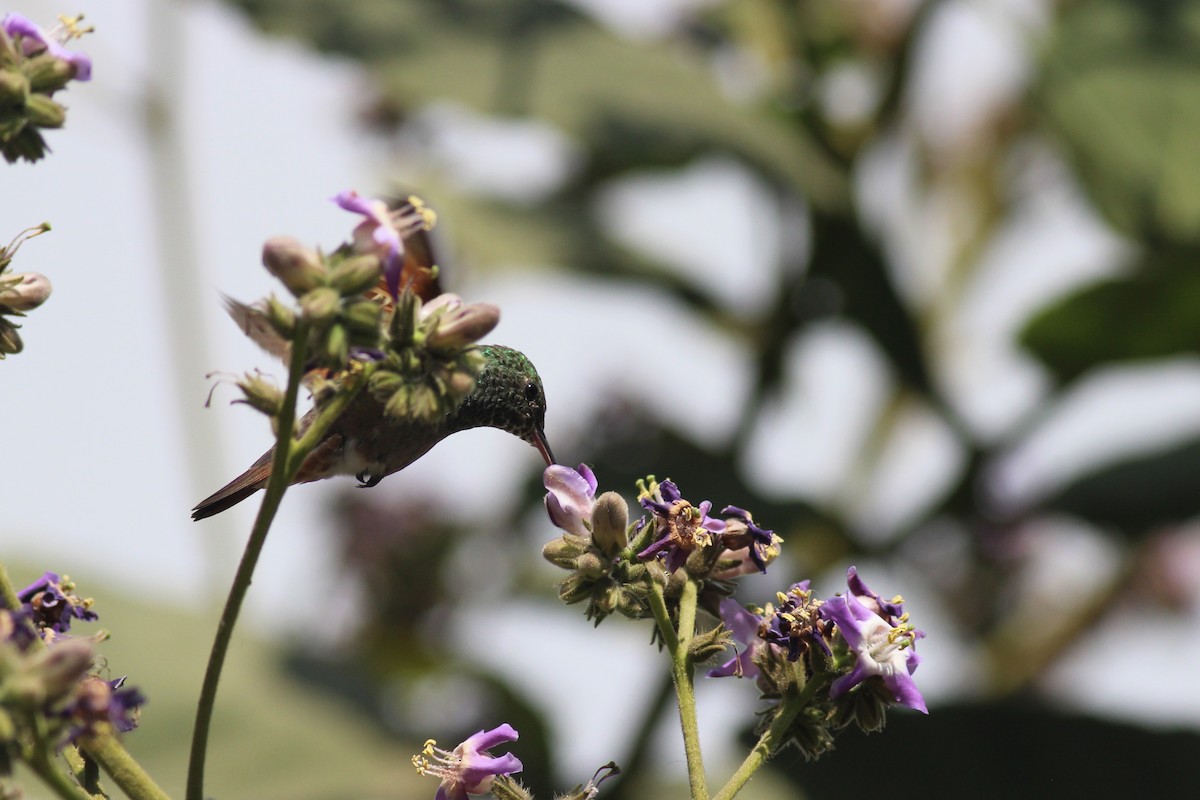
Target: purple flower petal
[(34, 40), (571, 493), (377, 234), (743, 624)]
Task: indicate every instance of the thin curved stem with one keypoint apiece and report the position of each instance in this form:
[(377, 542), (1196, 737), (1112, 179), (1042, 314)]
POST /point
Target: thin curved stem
[(276, 486), (768, 743)]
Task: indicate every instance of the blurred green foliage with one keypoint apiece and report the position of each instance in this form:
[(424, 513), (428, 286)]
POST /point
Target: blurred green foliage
[(1111, 90)]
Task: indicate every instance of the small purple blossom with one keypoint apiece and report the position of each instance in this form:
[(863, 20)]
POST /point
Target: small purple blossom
[(744, 625), (51, 603), (468, 768), (377, 234), (34, 41), (883, 647), (100, 703), (741, 532), (571, 493), (795, 625), (682, 527)]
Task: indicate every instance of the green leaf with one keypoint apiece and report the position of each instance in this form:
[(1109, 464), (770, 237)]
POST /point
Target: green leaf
[(1153, 314), (1119, 91)]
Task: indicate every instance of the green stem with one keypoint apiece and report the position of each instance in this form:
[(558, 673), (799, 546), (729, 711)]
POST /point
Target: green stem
[(39, 760), (276, 485), (8, 595), (682, 675), (769, 742), (126, 773)]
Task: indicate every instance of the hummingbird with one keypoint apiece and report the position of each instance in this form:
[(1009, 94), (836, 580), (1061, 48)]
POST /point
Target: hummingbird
[(369, 444)]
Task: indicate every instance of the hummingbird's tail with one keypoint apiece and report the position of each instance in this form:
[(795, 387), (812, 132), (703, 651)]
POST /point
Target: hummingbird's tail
[(236, 490)]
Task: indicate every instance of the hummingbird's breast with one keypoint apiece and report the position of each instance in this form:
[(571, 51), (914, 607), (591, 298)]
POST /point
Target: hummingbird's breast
[(378, 444)]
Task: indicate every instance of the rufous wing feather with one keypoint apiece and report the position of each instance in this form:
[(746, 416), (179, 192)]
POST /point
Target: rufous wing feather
[(237, 489)]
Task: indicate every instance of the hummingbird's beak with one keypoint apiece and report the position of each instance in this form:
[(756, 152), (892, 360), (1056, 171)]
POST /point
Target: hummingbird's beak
[(543, 446)]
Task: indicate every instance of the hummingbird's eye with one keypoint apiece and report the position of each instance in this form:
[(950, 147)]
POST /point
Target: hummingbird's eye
[(531, 392)]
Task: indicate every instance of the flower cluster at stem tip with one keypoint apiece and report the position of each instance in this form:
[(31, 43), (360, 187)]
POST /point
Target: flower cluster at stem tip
[(356, 304), (849, 657), (48, 686), (34, 65), (19, 291)]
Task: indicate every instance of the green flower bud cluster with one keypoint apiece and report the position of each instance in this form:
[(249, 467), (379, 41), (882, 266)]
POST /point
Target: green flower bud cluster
[(430, 362), (19, 292), (30, 74), (329, 291), (602, 572)]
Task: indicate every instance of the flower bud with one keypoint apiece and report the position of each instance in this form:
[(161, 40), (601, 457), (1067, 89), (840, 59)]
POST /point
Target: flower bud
[(261, 394), (23, 141), (14, 89), (55, 671), (10, 341), (591, 566), (355, 275), (24, 291), (607, 599), (383, 384), (44, 112), (564, 551), (632, 605), (335, 349), (463, 326), (574, 589), (363, 317), (281, 318), (297, 267), (610, 519), (424, 404), (48, 73), (320, 306)]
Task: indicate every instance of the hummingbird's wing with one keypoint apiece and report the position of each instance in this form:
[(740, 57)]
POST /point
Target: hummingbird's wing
[(237, 489), (253, 322), (322, 462)]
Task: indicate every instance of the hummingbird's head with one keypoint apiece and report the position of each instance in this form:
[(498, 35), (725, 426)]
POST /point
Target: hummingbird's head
[(508, 395)]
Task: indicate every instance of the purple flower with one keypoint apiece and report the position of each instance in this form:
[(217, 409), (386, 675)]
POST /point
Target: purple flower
[(682, 527), (34, 40), (377, 235), (100, 703), (51, 603), (795, 625), (744, 626), (741, 533), (883, 649), (468, 768), (571, 493)]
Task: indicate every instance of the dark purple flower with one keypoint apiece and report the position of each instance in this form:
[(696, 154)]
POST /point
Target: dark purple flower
[(34, 41), (883, 649), (99, 704), (744, 626), (682, 527), (468, 768), (570, 495), (891, 610), (741, 532), (795, 625), (51, 603)]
